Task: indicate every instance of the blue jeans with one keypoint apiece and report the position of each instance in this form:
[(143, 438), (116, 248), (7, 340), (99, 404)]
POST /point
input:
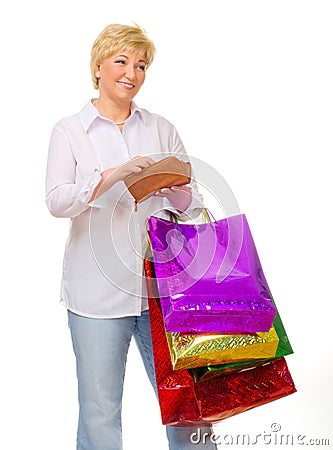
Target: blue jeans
[(100, 347)]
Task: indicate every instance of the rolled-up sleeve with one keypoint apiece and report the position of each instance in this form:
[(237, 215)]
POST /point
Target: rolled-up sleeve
[(66, 195)]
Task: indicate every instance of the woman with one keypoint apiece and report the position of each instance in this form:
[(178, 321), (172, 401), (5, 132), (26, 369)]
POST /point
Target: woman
[(103, 288)]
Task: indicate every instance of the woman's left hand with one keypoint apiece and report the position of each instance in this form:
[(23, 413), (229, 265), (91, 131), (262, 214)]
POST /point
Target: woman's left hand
[(179, 197)]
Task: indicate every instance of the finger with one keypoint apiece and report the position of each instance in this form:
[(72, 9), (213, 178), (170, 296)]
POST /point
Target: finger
[(161, 193), (136, 169), (144, 159), (143, 162), (166, 191), (181, 188)]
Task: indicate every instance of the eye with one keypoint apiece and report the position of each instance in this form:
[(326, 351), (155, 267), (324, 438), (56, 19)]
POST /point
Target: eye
[(142, 68), (120, 61)]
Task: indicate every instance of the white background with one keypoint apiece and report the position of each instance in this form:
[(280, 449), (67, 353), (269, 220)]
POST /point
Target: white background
[(249, 86)]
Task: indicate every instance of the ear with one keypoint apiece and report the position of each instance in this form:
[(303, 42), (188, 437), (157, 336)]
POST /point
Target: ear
[(98, 72)]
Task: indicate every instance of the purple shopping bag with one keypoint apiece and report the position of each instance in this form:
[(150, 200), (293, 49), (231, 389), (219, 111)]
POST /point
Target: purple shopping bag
[(209, 277)]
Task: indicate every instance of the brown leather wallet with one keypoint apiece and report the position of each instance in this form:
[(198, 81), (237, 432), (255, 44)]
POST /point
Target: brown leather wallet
[(167, 172)]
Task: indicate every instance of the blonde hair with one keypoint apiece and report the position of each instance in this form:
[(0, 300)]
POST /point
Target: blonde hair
[(116, 37)]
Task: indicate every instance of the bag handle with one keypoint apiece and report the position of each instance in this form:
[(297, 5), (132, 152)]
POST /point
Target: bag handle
[(206, 213)]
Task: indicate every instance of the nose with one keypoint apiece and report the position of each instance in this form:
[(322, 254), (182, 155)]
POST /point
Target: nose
[(130, 72)]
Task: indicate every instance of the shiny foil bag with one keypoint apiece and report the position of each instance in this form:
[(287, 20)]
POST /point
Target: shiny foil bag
[(200, 349), (209, 277), (183, 402), (284, 348)]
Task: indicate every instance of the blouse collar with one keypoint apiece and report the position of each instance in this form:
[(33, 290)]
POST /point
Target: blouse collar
[(90, 113)]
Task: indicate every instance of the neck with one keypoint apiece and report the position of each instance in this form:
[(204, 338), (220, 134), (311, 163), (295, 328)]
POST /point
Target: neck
[(115, 112)]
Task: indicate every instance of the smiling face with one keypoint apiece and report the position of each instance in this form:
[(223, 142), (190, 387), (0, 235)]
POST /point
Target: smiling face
[(121, 76)]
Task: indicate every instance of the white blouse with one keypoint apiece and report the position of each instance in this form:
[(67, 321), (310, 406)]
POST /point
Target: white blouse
[(103, 262)]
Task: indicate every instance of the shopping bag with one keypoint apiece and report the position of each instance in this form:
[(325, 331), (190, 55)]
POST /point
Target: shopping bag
[(284, 348), (184, 402), (209, 277), (201, 349)]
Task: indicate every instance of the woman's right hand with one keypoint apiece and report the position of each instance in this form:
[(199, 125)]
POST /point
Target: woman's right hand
[(134, 165), (119, 173)]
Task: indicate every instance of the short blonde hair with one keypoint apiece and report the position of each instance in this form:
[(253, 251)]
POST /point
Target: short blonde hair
[(116, 37)]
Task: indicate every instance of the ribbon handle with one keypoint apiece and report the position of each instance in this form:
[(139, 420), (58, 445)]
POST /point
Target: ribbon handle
[(206, 214)]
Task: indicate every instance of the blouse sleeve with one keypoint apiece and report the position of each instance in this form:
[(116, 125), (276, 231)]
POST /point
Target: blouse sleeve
[(66, 196)]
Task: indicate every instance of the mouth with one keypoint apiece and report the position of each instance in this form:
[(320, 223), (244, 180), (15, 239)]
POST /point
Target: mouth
[(128, 86)]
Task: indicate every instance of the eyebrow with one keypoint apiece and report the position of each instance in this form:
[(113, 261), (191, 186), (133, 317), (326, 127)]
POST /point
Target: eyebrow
[(124, 56)]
